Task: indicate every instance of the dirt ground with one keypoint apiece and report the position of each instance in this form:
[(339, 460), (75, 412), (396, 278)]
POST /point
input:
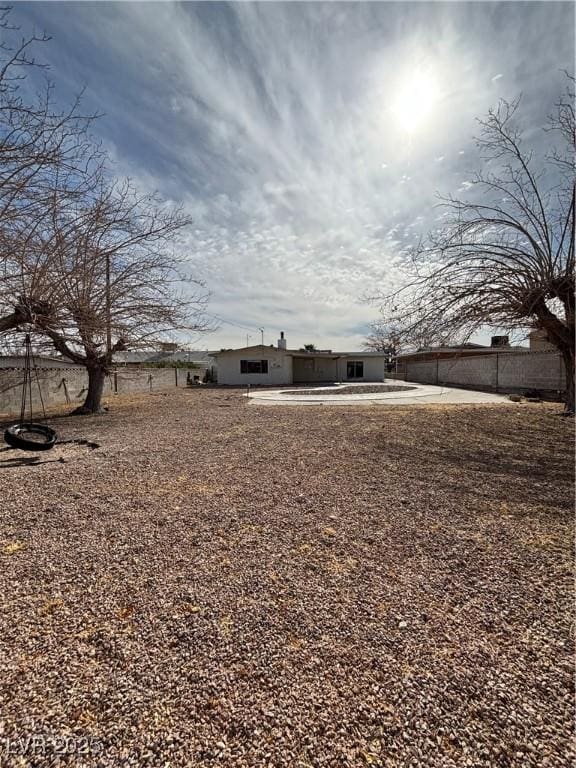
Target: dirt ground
[(227, 585)]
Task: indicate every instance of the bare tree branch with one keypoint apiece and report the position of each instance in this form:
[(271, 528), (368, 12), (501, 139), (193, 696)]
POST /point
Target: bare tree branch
[(505, 257), (84, 259)]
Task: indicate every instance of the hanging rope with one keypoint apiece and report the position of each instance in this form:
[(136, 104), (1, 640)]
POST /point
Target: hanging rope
[(26, 435), (26, 382), (37, 381), (29, 364)]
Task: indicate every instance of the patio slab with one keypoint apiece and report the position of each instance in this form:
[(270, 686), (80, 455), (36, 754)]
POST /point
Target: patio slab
[(420, 395)]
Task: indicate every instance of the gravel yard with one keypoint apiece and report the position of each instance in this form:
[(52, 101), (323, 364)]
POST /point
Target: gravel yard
[(223, 585)]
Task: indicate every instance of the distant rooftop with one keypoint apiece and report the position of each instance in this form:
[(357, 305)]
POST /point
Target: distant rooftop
[(141, 356), (467, 348), (41, 361)]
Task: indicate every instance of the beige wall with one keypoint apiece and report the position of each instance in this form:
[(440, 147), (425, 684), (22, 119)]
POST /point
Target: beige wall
[(539, 341), (373, 368), (311, 369), (284, 369), (279, 368)]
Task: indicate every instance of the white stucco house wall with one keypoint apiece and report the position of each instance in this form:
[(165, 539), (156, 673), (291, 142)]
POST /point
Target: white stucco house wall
[(279, 366)]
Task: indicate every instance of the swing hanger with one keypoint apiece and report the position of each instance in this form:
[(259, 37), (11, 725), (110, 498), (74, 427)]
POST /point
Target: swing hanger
[(26, 434)]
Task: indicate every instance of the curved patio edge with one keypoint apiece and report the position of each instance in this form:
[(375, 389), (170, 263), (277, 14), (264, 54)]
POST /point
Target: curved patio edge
[(284, 395), (419, 394)]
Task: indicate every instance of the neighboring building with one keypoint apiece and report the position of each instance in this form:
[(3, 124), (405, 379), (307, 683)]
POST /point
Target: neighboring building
[(143, 357), (40, 361), (539, 341), (499, 344), (279, 366)]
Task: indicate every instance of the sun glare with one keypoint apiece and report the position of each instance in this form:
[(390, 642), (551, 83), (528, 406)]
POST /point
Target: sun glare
[(415, 101)]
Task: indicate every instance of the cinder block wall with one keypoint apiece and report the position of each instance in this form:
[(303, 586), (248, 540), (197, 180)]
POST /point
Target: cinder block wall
[(536, 370), (146, 379), (423, 372), (468, 372), (60, 386), (504, 372)]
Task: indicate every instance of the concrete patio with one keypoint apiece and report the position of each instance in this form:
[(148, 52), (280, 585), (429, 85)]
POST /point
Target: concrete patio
[(420, 394)]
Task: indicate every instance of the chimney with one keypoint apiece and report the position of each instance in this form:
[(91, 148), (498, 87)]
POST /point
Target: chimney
[(281, 341), (500, 341)]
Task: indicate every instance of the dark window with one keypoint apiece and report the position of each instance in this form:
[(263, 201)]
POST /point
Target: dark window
[(355, 369), (253, 366)]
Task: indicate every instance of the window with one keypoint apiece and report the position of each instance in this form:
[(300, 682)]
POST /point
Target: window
[(253, 366), (355, 369)]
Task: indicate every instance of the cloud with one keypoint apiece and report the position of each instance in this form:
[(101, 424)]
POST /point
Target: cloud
[(273, 123)]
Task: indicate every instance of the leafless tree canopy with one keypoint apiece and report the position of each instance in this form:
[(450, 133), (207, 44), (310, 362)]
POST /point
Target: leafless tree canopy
[(383, 337), (45, 155), (84, 259), (505, 257), (42, 149)]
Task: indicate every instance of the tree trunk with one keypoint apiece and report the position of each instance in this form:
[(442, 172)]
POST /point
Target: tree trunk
[(568, 357), (93, 401)]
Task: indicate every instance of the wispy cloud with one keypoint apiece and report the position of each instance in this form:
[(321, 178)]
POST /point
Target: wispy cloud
[(277, 125)]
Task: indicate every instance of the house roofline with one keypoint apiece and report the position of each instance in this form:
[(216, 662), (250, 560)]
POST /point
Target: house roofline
[(261, 348), (255, 348)]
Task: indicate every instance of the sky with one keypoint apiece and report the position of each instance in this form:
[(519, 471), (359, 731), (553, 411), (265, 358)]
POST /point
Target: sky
[(308, 141)]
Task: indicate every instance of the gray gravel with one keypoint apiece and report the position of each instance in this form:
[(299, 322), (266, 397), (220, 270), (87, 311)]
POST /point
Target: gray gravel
[(218, 585), (365, 389)]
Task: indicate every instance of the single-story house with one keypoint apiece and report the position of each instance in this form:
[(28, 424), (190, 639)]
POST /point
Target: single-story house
[(279, 366)]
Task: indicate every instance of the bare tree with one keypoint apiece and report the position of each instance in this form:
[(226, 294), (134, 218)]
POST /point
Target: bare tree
[(383, 337), (45, 154), (116, 283), (41, 146), (505, 257), (378, 338), (85, 261)]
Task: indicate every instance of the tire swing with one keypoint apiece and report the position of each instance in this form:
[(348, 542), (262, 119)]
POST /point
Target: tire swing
[(28, 435)]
